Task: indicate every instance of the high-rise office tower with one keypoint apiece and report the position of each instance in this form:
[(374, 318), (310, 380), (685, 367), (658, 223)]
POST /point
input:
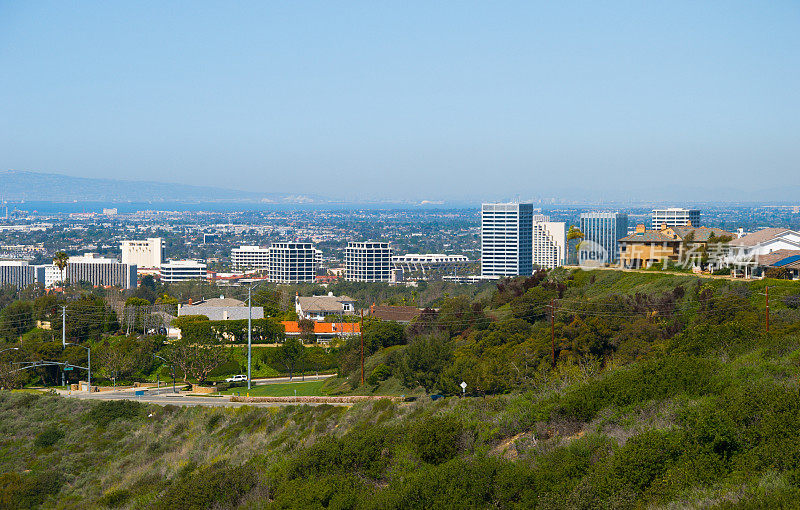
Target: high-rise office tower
[(549, 242), (675, 217), (601, 231), (506, 239), (368, 261), (292, 262)]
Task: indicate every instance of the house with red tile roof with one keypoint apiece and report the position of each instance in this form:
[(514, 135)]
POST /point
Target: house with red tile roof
[(324, 332)]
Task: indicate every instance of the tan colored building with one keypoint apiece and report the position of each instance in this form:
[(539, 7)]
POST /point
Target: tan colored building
[(646, 247)]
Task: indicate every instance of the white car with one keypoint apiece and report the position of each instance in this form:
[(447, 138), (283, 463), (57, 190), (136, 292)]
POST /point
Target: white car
[(237, 378)]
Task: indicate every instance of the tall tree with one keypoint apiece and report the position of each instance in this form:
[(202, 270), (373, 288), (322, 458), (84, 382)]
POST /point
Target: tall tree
[(196, 359), (290, 353), (117, 359), (61, 259), (424, 360)]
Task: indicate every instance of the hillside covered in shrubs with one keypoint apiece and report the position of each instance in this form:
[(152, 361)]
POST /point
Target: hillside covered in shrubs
[(641, 390)]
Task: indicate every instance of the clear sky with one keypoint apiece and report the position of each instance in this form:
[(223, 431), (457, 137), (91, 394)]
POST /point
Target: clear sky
[(417, 100)]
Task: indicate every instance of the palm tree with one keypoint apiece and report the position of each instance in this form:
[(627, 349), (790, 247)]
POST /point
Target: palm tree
[(60, 260), (575, 233)]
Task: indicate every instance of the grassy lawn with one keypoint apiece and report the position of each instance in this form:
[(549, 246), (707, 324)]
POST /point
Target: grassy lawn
[(304, 389)]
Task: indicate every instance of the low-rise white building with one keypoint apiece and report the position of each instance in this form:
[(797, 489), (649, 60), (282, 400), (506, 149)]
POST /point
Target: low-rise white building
[(426, 262), (249, 257), (765, 241), (222, 309), (182, 270), (17, 273), (48, 275), (318, 307), (91, 268)]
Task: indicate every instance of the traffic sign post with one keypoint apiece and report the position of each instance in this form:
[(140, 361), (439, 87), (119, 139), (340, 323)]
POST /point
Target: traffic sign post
[(463, 388)]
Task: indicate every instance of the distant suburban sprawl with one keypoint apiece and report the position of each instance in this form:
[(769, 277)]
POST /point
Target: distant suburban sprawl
[(401, 247)]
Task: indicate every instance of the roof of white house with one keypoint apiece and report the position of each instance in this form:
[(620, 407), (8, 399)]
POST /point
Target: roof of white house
[(220, 313), (760, 237), (332, 304)]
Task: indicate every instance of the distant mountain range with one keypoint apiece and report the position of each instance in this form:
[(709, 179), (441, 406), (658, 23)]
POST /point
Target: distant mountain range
[(16, 186)]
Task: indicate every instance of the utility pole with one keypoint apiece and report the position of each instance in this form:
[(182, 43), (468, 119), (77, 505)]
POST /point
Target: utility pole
[(63, 340), (767, 294), (553, 329), (361, 334), (249, 329)]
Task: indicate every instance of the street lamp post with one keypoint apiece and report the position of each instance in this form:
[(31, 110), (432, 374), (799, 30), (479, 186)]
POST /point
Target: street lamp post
[(89, 359), (250, 327), (173, 370)]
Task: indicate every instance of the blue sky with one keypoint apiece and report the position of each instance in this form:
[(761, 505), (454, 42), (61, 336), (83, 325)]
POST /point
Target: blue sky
[(417, 100)]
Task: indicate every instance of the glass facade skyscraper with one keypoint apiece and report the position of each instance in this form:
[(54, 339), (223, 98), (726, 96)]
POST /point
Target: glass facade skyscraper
[(603, 230)]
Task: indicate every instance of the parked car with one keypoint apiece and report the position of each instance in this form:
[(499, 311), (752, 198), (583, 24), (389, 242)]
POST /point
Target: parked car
[(237, 378)]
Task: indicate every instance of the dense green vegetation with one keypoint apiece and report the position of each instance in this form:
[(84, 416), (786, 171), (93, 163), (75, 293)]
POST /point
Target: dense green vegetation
[(666, 391)]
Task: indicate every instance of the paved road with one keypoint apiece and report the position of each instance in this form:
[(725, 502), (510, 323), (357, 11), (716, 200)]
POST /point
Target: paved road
[(164, 395), (180, 399)]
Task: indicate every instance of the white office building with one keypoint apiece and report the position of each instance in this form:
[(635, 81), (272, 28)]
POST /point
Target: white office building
[(182, 270), (147, 254), (249, 257), (17, 273), (601, 233), (292, 263), (48, 275), (429, 262), (506, 239), (368, 261), (549, 242), (675, 217), (93, 269)]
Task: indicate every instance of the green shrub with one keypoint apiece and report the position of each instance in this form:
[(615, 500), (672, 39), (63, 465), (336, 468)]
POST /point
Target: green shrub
[(103, 413), (228, 368), (436, 438), (48, 437), (647, 456), (114, 498), (653, 379), (216, 486), (29, 490), (212, 422), (455, 484), (379, 373), (792, 301), (364, 450)]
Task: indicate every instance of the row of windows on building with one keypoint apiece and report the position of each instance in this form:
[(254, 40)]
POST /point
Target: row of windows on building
[(514, 240), (367, 261)]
